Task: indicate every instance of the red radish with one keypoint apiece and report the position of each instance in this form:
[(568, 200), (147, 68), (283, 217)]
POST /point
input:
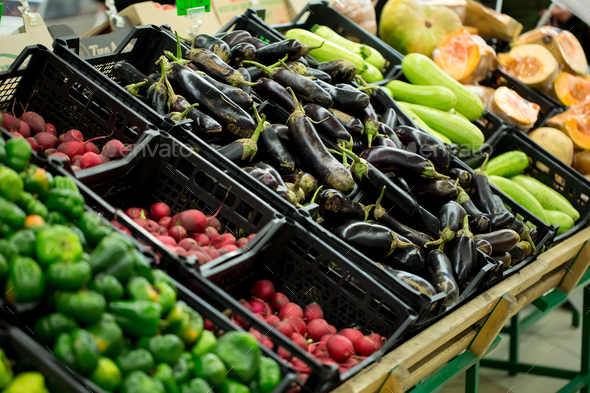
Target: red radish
[(113, 149), (267, 342), (300, 366), (238, 318), (192, 220), (332, 329), (46, 140), (263, 289), (257, 335), (24, 129), (16, 134), (126, 150), (379, 340), (283, 353), (241, 242), (211, 232), (286, 328), (162, 231), (227, 248), (298, 324), (11, 123), (251, 236), (72, 149), (159, 210), (260, 316), (50, 128), (258, 306), (71, 136), (272, 320), (213, 253), (299, 340), (167, 240), (202, 239), (91, 148), (152, 226), (351, 334), (365, 346), (317, 328), (325, 338), (279, 300), (290, 309), (75, 160), (137, 212), (223, 240), (76, 168), (59, 154), (165, 222), (196, 247), (35, 122), (208, 325), (90, 160), (212, 221), (329, 361), (321, 352), (177, 232), (142, 222), (103, 159), (340, 348), (348, 364), (202, 258), (34, 144), (313, 311)]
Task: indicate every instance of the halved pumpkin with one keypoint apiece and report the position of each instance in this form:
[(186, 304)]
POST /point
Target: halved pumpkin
[(465, 57), (485, 94), (531, 64), (575, 123), (563, 45), (509, 106), (571, 89)]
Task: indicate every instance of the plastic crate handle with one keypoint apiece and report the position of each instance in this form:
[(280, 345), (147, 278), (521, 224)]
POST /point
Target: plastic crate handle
[(29, 50)]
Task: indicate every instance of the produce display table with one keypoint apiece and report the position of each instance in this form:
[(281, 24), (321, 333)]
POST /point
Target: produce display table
[(562, 267)]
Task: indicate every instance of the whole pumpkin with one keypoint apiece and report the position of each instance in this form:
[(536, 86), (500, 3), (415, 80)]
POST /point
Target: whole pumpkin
[(410, 27)]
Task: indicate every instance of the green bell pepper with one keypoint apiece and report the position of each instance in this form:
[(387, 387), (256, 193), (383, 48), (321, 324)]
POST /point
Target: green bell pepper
[(196, 385), (211, 368), (144, 269), (124, 268), (231, 386), (56, 218), (267, 377), (137, 317), (140, 382), (205, 344), (135, 360), (163, 372), (24, 200), (3, 267), (68, 202), (85, 350), (37, 180), (58, 243), (25, 242), (107, 252), (139, 288), (18, 153), (8, 249), (183, 369), (64, 350), (184, 322), (65, 183), (93, 227), (108, 336), (36, 207), (161, 276), (30, 381), (86, 307), (166, 349), (11, 214), (241, 353), (2, 147), (107, 375), (50, 326), (67, 276), (11, 185), (26, 282), (108, 286), (6, 373)]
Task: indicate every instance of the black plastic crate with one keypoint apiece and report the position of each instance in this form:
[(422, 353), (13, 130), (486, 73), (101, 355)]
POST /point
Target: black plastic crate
[(307, 270), (142, 47)]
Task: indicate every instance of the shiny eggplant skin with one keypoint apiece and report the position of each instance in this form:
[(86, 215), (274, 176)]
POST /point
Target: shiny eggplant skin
[(352, 124), (263, 176), (270, 89), (389, 118), (247, 89), (400, 161), (439, 188), (425, 145), (381, 140), (462, 253), (462, 175), (481, 192), (235, 94), (503, 240), (484, 246), (202, 123), (215, 67), (128, 74), (282, 132), (258, 43), (282, 188), (321, 75), (213, 44), (335, 206), (242, 51), (345, 99), (451, 216), (441, 276), (272, 148), (418, 238), (503, 257), (329, 126), (235, 37), (502, 220), (341, 71), (517, 253), (413, 281), (270, 54), (391, 135), (480, 224)]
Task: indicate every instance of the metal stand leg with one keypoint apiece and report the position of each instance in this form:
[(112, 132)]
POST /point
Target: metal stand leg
[(472, 379), (514, 331), (575, 316), (585, 371)]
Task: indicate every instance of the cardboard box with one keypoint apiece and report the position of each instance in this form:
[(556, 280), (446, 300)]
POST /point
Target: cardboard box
[(28, 34), (276, 10), (294, 7), (100, 40)]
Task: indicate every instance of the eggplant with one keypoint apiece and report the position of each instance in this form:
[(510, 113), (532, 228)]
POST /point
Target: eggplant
[(497, 220), (451, 216), (328, 124), (534, 234), (381, 140), (245, 148), (526, 248), (480, 224), (379, 242), (504, 258), (291, 48), (321, 75), (314, 154), (254, 72), (383, 101), (388, 159), (345, 99), (441, 276), (179, 116), (303, 60), (133, 89), (390, 134), (296, 189), (258, 43), (352, 124), (233, 118), (276, 92), (413, 281), (215, 67), (462, 253), (503, 240), (242, 51), (202, 123), (263, 176), (389, 118), (425, 145), (335, 206), (401, 183), (127, 73), (308, 183), (282, 132), (247, 77), (341, 71), (462, 175), (481, 192), (213, 44), (371, 124), (484, 246), (274, 150), (235, 37), (235, 94), (439, 188), (524, 232), (296, 67), (517, 253), (282, 189)]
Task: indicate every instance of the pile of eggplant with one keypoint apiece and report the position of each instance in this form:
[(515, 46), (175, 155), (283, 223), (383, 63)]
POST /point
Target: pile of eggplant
[(384, 186)]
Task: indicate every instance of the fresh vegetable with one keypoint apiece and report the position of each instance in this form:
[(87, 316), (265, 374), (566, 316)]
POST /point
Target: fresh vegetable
[(521, 195), (507, 164)]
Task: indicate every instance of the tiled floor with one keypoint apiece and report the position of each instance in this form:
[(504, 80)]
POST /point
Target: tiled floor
[(550, 342)]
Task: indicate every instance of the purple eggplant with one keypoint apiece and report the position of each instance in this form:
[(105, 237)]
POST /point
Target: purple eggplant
[(391, 135), (388, 159), (425, 145), (345, 99), (276, 92), (335, 205), (441, 276), (263, 176), (328, 124), (341, 71), (462, 253)]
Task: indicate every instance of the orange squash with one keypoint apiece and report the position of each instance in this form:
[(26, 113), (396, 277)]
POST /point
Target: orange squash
[(531, 64), (571, 89), (509, 106), (465, 57), (575, 123)]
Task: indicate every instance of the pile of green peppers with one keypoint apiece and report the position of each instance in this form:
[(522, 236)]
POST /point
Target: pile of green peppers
[(115, 320), (30, 381)]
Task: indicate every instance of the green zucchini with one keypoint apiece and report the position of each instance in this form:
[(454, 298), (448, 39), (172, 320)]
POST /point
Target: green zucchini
[(547, 196), (564, 221), (423, 126), (421, 70), (433, 96), (371, 74), (508, 164), (457, 113), (452, 126), (520, 196)]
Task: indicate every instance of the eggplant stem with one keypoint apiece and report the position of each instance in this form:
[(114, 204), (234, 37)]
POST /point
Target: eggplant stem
[(396, 243), (466, 231), (315, 194), (176, 59), (296, 103), (178, 47), (441, 247), (318, 122), (360, 166), (187, 110), (368, 87), (482, 168), (366, 209), (526, 235), (268, 71), (361, 80), (431, 173), (309, 48), (133, 89), (439, 242), (256, 115), (379, 210)]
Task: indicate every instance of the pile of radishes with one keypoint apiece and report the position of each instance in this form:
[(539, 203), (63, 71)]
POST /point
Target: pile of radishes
[(187, 233), (43, 138), (308, 329)]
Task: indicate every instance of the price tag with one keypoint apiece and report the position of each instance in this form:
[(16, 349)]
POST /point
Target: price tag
[(183, 5)]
